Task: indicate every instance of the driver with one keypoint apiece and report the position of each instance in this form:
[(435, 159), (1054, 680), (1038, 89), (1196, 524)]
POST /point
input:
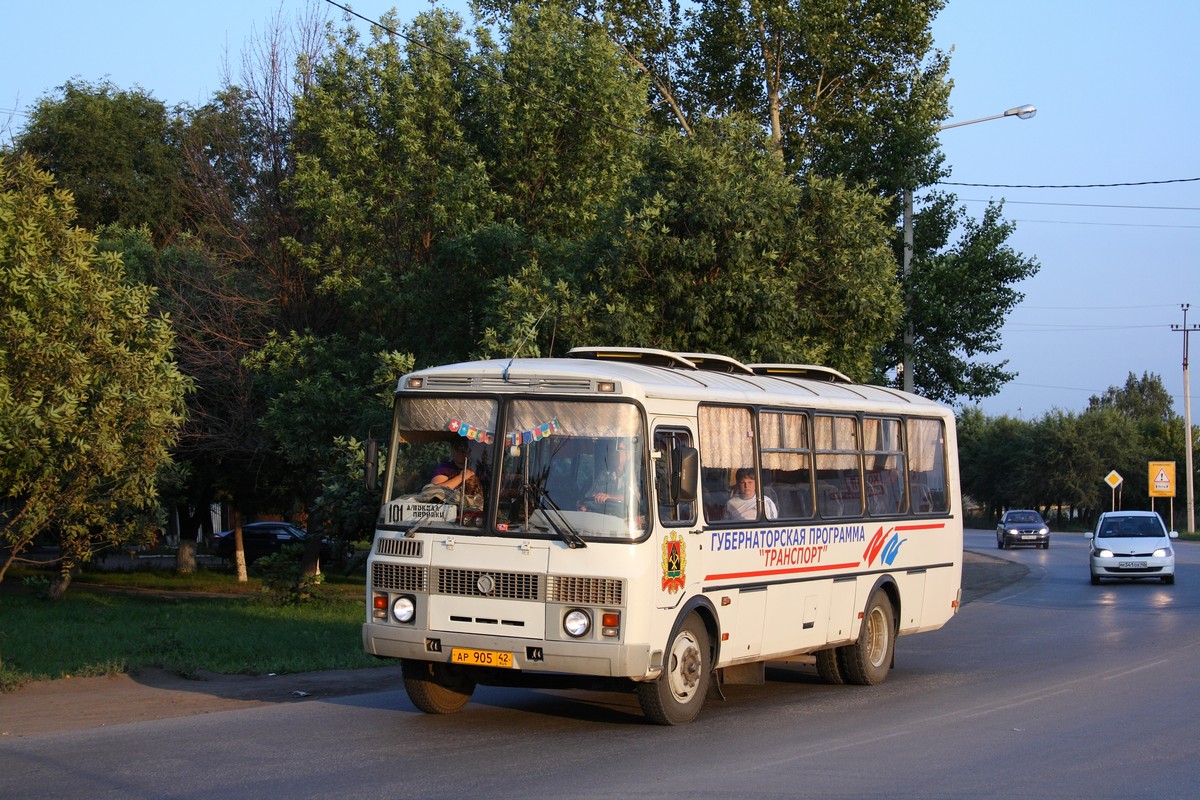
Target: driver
[(611, 483), (454, 473)]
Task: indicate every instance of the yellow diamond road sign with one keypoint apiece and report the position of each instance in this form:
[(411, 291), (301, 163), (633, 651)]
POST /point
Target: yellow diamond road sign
[(1162, 478), (1113, 479)]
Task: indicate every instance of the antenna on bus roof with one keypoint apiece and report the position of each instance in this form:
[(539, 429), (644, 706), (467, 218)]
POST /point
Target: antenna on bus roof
[(520, 344)]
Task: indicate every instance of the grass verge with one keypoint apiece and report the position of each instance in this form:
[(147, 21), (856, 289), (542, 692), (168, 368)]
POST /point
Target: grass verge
[(97, 631)]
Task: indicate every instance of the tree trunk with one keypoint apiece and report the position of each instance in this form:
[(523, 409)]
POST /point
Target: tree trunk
[(189, 528), (312, 556), (8, 560), (58, 586), (239, 549)]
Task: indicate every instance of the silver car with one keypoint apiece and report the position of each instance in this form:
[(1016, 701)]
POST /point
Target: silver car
[(1022, 528), (1131, 545)]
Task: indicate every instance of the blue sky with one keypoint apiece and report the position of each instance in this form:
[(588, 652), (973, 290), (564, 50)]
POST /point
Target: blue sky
[(1115, 88)]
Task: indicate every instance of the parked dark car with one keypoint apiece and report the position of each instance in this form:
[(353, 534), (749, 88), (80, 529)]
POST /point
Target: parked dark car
[(263, 539), (1022, 528)]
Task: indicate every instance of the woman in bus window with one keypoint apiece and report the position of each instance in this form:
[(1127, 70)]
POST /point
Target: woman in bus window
[(454, 474)]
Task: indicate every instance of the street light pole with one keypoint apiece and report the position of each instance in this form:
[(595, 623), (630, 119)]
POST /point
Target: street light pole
[(906, 366), (1187, 417)]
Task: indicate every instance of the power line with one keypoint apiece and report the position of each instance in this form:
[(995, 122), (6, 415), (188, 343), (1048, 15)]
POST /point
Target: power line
[(1083, 205), (1105, 224), (1098, 308), (1034, 327), (1065, 185)]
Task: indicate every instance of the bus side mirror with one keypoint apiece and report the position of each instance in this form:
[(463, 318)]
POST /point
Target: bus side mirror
[(685, 473), (371, 465)]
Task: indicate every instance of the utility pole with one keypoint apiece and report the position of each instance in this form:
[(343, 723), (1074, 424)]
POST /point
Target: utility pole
[(1187, 417)]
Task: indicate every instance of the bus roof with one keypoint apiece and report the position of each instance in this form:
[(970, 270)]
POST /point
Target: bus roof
[(646, 372)]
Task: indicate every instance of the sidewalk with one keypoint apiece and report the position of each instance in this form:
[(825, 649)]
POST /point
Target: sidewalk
[(128, 561)]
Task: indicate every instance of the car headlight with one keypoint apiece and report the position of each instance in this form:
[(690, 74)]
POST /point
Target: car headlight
[(1162, 552), (577, 623), (1011, 530), (1102, 553), (403, 609), (1044, 530)]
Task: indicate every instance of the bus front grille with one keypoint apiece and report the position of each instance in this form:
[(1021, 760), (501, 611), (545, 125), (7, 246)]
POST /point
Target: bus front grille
[(585, 591), (407, 548), (399, 577), (484, 583)]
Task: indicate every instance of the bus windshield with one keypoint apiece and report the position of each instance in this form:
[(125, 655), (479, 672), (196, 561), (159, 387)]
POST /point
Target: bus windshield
[(567, 468)]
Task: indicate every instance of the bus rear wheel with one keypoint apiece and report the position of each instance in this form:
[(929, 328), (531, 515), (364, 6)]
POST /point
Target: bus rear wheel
[(678, 693), (867, 661), (436, 688), (828, 667)]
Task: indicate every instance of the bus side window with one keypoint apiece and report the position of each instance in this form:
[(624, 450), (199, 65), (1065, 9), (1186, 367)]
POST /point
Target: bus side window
[(786, 453), (727, 444), (792, 495), (672, 446)]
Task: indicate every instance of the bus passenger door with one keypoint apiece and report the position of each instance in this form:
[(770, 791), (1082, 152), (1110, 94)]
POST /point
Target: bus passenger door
[(675, 506)]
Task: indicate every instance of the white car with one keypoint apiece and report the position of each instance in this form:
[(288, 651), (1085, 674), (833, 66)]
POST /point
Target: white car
[(1131, 545)]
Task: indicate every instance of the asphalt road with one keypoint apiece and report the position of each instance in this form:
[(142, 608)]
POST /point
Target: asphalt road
[(1048, 687)]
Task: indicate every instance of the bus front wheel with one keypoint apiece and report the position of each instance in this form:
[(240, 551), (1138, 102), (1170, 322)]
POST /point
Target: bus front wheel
[(436, 688), (867, 661), (676, 696)]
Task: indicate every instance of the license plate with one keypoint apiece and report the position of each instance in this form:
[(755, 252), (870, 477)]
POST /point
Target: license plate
[(1131, 564), (481, 658), (1028, 536)]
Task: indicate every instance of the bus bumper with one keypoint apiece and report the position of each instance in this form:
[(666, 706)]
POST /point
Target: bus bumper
[(574, 658)]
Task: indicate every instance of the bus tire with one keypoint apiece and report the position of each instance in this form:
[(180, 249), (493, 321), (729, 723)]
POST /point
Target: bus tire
[(676, 696), (867, 661), (436, 688), (828, 667)]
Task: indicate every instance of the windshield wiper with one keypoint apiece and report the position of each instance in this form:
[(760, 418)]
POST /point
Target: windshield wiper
[(542, 499)]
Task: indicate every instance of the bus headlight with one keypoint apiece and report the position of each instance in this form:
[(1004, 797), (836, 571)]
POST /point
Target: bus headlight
[(403, 609), (577, 623)]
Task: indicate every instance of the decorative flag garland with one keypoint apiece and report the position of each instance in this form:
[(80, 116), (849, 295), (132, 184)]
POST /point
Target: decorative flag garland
[(484, 435), (478, 434), (472, 432), (543, 431)]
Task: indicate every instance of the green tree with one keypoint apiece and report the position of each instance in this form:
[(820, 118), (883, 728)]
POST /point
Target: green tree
[(1145, 399), (1062, 463), (994, 460), (114, 149), (559, 122), (90, 399), (849, 89), (960, 294), (220, 313), (718, 250), (315, 395), (231, 282), (1113, 441), (317, 401), (1059, 462), (384, 172), (845, 88)]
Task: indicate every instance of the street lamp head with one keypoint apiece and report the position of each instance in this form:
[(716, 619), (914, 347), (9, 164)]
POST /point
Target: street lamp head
[(1021, 112)]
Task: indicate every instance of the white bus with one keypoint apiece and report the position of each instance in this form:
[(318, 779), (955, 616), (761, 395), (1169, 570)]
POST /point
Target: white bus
[(666, 522)]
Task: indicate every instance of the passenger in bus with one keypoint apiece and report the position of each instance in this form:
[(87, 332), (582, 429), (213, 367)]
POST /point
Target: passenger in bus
[(743, 501), (453, 474), (609, 485)]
